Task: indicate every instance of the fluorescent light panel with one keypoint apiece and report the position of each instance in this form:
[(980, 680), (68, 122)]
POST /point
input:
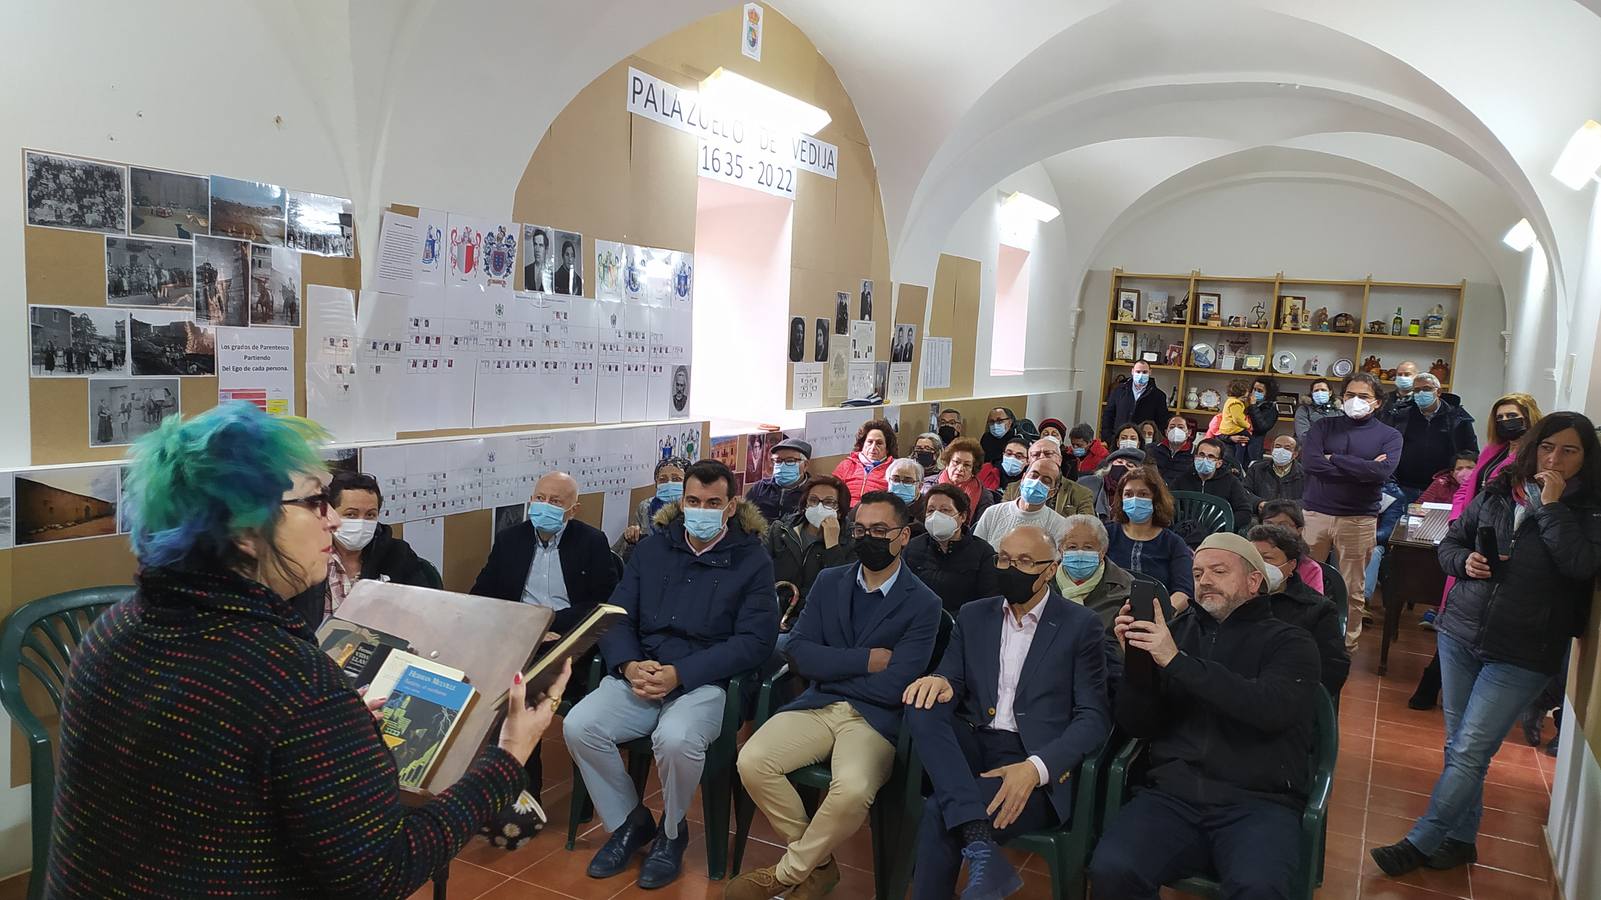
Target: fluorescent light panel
[(1521, 237), (1021, 204), (1580, 158), (734, 91)]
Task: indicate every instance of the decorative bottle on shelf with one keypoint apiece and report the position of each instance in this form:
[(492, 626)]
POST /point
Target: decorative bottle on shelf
[(1397, 324), (1193, 398), (1413, 329)]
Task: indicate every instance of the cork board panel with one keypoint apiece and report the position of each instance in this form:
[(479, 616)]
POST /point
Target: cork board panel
[(467, 540), (811, 296), (813, 223), (911, 302), (854, 219), (661, 167), (788, 63), (955, 315), (64, 268)]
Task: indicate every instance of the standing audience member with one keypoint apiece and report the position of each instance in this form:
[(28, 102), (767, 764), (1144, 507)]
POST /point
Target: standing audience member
[(1212, 476), (867, 468), (1142, 540), (1135, 400), (1087, 577), (1000, 427), (1018, 700), (1175, 454), (1280, 476), (998, 476), (958, 567), (1228, 716), (814, 539), (1028, 509), (1508, 623), (867, 631), (1347, 462), (699, 597), (669, 489), (779, 494), (1295, 601), (1319, 403), (926, 450), (1089, 451), (1289, 514), (1405, 375), (1263, 411), (1067, 496), (959, 468)]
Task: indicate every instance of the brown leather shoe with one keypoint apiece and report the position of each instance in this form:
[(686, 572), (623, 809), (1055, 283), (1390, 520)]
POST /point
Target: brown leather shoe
[(757, 884), (823, 879)]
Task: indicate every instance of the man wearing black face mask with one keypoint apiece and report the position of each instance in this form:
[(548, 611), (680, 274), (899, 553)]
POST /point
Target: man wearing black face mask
[(951, 425), (865, 632), (1017, 702)]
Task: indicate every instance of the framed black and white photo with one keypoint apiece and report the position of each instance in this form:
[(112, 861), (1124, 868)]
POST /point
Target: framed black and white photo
[(167, 342), (902, 343), (842, 312), (1128, 305), (81, 194), (821, 342), (680, 398), (568, 260), (797, 339), (539, 268), (168, 204), (76, 341), (122, 410), (142, 272), (247, 210), (222, 281), (321, 224), (866, 301)]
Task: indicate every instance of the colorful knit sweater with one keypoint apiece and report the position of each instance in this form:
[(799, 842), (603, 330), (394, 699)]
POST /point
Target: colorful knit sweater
[(209, 749)]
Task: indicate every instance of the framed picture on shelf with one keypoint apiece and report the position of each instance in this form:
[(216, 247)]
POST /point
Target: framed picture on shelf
[(1156, 307), (1254, 362), (1128, 305), (1151, 356), (1208, 307), (1123, 345), (1175, 355), (1292, 311)]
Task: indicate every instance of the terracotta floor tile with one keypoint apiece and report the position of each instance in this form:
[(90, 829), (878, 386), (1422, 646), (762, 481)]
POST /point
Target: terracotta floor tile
[(689, 886), (1528, 779), (1355, 707), (1494, 884), (1403, 777), (1510, 856), (466, 880), (1347, 820), (1397, 802), (1343, 851), (1517, 800), (1378, 887), (513, 890), (1403, 754), (1451, 882), (1339, 884), (481, 853), (1383, 828), (564, 872), (1512, 827), (1426, 736)]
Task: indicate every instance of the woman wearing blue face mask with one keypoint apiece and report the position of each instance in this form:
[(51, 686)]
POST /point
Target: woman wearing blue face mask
[(669, 488), (813, 538), (999, 427), (1000, 475), (1319, 403), (1087, 577), (1141, 540)]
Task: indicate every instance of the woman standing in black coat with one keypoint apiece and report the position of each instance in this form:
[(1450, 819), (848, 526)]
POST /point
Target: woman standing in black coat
[(1508, 622)]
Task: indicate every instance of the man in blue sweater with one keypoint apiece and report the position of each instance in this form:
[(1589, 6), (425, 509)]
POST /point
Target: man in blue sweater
[(701, 609), (866, 631), (1347, 460)]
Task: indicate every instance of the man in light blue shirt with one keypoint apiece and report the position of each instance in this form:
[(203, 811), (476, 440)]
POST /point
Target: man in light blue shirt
[(554, 502)]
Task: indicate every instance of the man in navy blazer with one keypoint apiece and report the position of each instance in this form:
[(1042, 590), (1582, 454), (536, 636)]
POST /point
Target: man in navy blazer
[(865, 632), (1017, 702)]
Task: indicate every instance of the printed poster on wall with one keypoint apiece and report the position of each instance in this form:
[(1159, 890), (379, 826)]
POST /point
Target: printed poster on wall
[(862, 341), (257, 365), (900, 382), (807, 392), (859, 385), (750, 38)]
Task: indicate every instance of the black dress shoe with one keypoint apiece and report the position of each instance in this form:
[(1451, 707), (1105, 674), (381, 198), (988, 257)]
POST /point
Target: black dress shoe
[(614, 856), (665, 861), (1453, 853)]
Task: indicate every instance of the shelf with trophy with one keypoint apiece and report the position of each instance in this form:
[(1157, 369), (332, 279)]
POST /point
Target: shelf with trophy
[(1207, 330)]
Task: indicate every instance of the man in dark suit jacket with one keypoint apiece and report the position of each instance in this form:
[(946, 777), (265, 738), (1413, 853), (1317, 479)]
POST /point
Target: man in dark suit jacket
[(866, 631), (569, 275), (551, 560), (1017, 702), (538, 256), (1135, 400)]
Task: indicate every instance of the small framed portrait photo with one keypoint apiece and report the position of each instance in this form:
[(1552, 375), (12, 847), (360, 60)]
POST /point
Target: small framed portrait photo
[(1128, 305), (1208, 307), (1123, 345)]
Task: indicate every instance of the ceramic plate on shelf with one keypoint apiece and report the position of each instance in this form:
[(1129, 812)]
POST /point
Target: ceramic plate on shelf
[(1202, 356), (1284, 363), (1210, 399), (1341, 367)]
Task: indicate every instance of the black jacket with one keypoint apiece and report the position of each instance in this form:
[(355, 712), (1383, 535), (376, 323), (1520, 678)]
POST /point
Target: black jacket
[(1263, 416), (1230, 717), (1527, 613), (1121, 407), (588, 568), (797, 560), (1225, 485), (385, 556), (1173, 464), (1265, 483), (1298, 604), (1430, 444), (961, 574), (995, 446)]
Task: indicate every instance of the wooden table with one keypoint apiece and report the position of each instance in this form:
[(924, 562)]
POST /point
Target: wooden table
[(1410, 572)]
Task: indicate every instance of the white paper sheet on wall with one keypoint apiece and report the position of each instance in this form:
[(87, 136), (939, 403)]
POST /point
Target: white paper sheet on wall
[(257, 365), (900, 382), (859, 385), (833, 432), (807, 387), (427, 537), (397, 249), (335, 394), (862, 342), (936, 362), (8, 511), (614, 515)]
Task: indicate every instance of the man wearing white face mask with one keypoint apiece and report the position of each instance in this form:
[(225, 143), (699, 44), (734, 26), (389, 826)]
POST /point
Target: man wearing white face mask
[(1348, 459), (363, 548)]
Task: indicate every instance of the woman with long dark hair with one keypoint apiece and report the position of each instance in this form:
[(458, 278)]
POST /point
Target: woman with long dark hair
[(1509, 620)]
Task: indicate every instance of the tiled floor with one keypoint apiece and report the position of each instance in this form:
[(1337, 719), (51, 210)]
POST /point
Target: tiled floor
[(1389, 758)]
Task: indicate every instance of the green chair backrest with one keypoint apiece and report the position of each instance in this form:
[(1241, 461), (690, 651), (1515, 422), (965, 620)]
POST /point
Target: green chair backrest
[(1334, 588), (435, 580), (1198, 515), (39, 639)]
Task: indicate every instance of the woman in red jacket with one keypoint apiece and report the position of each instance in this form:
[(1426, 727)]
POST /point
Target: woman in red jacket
[(865, 469)]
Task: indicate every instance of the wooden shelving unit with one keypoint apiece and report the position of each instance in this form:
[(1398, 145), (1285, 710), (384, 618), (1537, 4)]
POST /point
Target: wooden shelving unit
[(1366, 299)]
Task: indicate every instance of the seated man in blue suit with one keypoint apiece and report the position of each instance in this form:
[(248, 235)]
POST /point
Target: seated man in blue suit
[(865, 632), (1017, 702), (701, 609)]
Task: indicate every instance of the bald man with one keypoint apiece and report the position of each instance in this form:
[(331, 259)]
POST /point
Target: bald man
[(1068, 497), (1018, 701), (1032, 506), (552, 560)]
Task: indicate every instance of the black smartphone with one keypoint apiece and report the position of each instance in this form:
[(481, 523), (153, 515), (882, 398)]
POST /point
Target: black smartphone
[(1142, 600), (1138, 666), (1489, 548)]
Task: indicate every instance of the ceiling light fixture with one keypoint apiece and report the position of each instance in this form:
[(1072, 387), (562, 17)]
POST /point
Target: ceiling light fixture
[(1580, 158), (1021, 204), (1520, 237), (734, 92)]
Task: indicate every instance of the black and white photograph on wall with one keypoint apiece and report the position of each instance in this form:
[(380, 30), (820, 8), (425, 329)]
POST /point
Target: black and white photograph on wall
[(867, 301), (680, 392), (538, 267), (64, 504), (150, 273), (74, 341), (881, 380), (900, 348), (320, 224), (247, 210), (122, 410), (165, 342), (66, 192), (222, 281), (842, 312), (341, 459), (168, 204), (820, 343), (510, 516), (274, 286), (7, 535), (569, 278), (797, 339)]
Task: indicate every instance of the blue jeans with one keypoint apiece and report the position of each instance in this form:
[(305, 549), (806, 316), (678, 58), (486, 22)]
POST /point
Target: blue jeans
[(1482, 700), (1404, 496)]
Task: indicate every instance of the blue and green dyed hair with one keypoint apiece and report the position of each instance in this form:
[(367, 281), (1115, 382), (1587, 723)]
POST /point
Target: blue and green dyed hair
[(194, 484)]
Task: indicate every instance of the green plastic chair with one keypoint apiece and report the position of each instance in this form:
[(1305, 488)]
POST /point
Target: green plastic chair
[(1334, 588), (1199, 515), (40, 638), (885, 823), (1314, 818), (716, 780), (432, 574)]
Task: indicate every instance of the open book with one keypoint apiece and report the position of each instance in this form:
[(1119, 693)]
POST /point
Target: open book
[(572, 645)]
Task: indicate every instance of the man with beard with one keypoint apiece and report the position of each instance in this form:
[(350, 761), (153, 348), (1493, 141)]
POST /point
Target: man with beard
[(1226, 705), (1018, 701)]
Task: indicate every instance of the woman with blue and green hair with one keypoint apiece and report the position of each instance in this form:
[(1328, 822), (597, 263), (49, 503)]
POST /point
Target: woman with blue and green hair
[(201, 713)]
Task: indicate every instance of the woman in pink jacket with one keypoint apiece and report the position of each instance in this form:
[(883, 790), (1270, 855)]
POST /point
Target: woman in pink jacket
[(1511, 417), (866, 469)]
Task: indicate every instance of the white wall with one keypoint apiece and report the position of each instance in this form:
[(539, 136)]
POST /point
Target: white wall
[(1308, 230)]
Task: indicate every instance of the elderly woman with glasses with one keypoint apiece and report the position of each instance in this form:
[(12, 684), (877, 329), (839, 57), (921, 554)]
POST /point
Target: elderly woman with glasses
[(959, 465), (201, 713)]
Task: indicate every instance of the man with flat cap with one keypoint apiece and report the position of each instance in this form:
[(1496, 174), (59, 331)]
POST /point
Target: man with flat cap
[(778, 496), (1228, 715)]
